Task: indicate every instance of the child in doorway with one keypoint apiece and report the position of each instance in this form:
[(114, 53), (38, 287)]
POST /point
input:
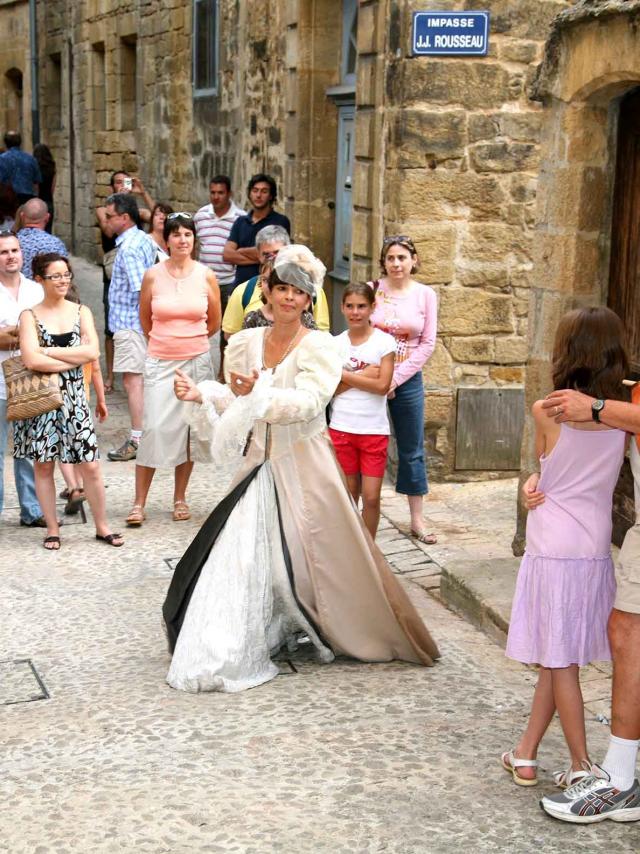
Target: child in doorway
[(566, 584), (359, 425)]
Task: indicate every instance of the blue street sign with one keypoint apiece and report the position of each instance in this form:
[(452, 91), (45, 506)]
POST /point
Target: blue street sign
[(453, 33)]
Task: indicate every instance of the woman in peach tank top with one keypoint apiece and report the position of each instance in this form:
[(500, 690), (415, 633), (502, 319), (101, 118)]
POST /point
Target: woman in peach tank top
[(179, 310)]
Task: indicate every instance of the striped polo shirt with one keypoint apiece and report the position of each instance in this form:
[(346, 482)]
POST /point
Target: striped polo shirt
[(213, 233)]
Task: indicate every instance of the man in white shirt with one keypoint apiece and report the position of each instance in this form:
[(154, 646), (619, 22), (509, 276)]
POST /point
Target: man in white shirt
[(213, 225), (17, 293)]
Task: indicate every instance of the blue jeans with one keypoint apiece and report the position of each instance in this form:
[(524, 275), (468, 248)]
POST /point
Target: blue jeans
[(22, 473), (407, 415)]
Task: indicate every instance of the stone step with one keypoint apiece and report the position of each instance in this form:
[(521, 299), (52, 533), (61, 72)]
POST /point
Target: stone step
[(481, 591)]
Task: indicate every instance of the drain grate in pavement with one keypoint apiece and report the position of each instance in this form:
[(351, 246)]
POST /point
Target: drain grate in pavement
[(20, 682), (171, 562)]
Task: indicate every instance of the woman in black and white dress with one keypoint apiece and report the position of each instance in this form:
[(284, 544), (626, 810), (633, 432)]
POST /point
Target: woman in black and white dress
[(58, 336)]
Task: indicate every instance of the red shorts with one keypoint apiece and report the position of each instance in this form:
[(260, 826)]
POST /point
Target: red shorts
[(360, 454)]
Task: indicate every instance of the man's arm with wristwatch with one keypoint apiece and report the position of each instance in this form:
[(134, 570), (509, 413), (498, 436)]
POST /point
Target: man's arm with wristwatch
[(569, 405)]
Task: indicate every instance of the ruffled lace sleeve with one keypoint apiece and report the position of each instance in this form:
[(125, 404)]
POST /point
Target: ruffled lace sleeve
[(215, 399), (319, 366)]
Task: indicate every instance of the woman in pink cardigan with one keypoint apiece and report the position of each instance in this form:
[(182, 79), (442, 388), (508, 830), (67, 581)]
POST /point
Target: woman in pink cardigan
[(407, 310)]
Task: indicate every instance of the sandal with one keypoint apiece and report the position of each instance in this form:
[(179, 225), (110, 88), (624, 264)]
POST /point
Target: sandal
[(75, 497), (568, 778), (423, 537), (511, 763), (109, 539), (65, 493), (181, 511), (136, 516), (51, 543)]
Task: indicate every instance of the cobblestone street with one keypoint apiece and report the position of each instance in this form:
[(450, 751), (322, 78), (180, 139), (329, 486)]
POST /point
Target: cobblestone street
[(343, 757)]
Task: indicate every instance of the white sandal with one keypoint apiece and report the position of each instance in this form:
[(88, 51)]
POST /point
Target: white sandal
[(568, 778), (511, 762)]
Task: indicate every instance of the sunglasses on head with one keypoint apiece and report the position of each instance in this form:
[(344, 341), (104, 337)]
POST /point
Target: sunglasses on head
[(179, 215), (398, 238)]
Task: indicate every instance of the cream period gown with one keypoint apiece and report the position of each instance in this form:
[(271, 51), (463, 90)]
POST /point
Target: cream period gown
[(285, 552)]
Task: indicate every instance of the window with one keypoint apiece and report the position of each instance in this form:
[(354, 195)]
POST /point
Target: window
[(205, 47), (53, 108), (128, 83), (99, 98), (349, 41)]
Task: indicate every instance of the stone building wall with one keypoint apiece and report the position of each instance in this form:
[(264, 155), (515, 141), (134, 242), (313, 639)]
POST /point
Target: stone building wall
[(15, 71), (448, 150), (127, 103)]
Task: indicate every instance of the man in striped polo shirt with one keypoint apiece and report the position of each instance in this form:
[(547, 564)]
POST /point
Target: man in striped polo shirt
[(213, 224)]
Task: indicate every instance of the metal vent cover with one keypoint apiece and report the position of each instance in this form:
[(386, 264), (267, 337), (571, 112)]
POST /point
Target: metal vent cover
[(489, 424)]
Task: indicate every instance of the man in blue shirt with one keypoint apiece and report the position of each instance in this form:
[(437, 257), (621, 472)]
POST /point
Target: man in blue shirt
[(240, 248), (136, 253), (19, 169), (34, 238)]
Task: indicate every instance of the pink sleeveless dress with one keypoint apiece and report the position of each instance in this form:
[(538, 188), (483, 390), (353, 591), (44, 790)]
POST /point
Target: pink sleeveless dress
[(566, 583)]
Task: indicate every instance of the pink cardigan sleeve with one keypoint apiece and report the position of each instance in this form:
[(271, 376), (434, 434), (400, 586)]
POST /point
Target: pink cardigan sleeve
[(426, 343)]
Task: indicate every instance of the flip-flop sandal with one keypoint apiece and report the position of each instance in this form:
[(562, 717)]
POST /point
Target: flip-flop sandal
[(568, 778), (108, 539), (423, 537), (74, 501), (181, 511), (55, 541), (511, 763), (136, 516)]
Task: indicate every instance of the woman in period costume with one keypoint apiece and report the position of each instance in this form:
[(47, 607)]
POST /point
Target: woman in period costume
[(285, 553)]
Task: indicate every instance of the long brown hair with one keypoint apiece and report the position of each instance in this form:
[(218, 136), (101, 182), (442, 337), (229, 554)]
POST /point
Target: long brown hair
[(589, 353)]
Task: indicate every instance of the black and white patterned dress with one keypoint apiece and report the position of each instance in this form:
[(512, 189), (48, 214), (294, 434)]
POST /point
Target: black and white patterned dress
[(66, 434)]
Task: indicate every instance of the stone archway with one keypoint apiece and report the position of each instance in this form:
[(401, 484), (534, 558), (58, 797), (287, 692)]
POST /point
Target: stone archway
[(592, 59)]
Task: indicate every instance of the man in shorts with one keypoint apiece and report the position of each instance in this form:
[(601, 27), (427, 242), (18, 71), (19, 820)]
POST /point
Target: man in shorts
[(611, 790), (121, 182), (136, 253)]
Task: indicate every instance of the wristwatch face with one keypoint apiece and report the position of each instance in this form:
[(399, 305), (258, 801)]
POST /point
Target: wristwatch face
[(597, 405)]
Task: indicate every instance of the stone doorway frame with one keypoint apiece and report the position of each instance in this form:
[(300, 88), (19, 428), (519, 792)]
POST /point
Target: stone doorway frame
[(591, 60)]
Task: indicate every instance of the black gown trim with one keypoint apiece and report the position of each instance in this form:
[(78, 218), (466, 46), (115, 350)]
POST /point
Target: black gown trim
[(187, 572), (189, 567)]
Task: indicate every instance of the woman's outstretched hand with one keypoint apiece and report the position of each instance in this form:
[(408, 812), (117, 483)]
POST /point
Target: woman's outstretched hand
[(531, 497), (185, 388), (242, 384)]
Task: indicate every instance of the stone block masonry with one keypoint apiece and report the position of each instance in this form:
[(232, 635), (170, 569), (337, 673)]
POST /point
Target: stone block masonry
[(461, 155)]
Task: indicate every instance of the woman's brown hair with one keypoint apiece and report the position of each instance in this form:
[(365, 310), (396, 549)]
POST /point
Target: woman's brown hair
[(589, 353), (398, 240)]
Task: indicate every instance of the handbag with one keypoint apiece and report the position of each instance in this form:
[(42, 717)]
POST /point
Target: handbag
[(108, 260), (29, 393)]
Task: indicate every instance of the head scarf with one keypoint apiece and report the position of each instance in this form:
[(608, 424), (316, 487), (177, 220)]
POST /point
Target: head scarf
[(298, 266)]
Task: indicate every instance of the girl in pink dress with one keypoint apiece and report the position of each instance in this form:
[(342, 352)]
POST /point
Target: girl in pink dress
[(566, 583)]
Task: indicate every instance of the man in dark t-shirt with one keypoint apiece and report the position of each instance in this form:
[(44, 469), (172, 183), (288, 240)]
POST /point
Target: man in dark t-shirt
[(240, 248)]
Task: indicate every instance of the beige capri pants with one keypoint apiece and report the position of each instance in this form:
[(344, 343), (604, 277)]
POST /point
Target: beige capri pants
[(166, 441)]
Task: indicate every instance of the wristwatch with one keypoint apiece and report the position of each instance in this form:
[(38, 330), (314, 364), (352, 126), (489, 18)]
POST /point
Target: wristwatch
[(596, 408)]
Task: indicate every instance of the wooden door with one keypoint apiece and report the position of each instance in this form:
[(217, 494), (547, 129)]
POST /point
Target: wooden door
[(624, 275)]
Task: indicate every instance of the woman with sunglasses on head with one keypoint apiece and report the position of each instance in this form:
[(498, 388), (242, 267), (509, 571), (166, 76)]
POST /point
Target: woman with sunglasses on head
[(408, 310), (179, 311), (285, 553), (58, 336), (159, 216)]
